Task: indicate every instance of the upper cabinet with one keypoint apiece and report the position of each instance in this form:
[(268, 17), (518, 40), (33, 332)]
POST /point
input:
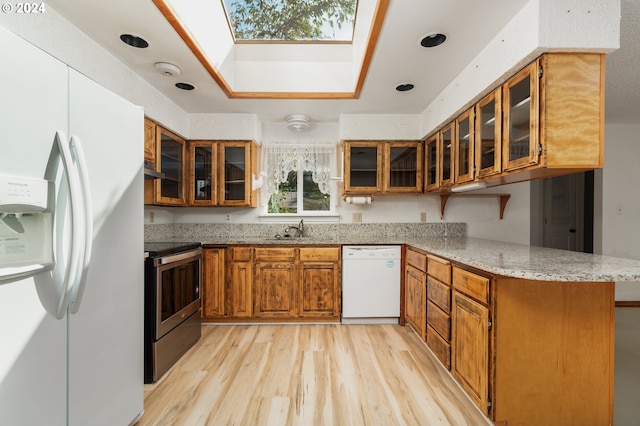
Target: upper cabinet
[(362, 167), (237, 160), (488, 135), (149, 141), (464, 147), (546, 120), (203, 161), (520, 119), (403, 167), (221, 173), (171, 153), (383, 167)]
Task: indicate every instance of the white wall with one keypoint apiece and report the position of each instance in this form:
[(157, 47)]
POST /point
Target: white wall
[(55, 35), (620, 232)]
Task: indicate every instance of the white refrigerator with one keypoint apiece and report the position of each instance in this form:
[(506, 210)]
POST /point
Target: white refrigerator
[(70, 356)]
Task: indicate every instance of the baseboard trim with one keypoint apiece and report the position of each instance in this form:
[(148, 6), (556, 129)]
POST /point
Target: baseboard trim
[(627, 303)]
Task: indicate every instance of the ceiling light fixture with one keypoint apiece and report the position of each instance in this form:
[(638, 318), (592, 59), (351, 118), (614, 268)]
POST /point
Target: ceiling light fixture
[(404, 87), (433, 40), (134, 41), (298, 122), (167, 69), (185, 86)]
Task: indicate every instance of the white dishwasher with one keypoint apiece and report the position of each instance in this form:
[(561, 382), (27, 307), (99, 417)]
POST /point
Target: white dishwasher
[(371, 284)]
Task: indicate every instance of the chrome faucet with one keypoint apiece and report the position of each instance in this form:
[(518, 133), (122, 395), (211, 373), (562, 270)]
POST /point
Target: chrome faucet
[(299, 229)]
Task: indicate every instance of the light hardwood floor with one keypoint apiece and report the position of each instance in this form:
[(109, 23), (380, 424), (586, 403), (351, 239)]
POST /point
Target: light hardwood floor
[(308, 375)]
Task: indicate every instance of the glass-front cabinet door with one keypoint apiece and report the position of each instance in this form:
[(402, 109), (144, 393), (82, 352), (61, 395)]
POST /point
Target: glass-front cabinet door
[(464, 146), (520, 109), (202, 179), (403, 167), (447, 136), (363, 167), (431, 164), (235, 165), (171, 188), (488, 134)]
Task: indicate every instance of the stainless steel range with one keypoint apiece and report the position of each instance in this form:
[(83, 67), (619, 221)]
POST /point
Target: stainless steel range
[(172, 304)]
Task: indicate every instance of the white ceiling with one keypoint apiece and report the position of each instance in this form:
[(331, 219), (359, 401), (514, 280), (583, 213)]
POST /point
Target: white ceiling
[(468, 24)]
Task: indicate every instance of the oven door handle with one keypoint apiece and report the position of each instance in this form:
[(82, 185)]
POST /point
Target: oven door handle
[(177, 257)]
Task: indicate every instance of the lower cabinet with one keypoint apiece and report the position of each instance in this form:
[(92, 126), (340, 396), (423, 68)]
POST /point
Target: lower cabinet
[(415, 291), (470, 342), (275, 282), (272, 283), (213, 285), (319, 282), (439, 308), (239, 282)]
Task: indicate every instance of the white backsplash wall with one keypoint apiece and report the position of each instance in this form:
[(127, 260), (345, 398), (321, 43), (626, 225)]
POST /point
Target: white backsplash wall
[(480, 214)]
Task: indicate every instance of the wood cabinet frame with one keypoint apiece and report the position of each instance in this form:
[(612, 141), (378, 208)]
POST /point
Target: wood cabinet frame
[(250, 165), (530, 73), (349, 188), (432, 163), (495, 97), (182, 174), (387, 167), (213, 172), (462, 176), (447, 149)]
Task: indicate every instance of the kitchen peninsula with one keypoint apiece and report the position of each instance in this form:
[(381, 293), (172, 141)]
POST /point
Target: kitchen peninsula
[(529, 331)]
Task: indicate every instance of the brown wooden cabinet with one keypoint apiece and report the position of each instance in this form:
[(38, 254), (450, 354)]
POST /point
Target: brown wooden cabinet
[(171, 154), (544, 121), (383, 167), (282, 283), (149, 141), (402, 167), (240, 281), (438, 308), (470, 336), (214, 299), (362, 167), (319, 282), (464, 146), (415, 283), (203, 168), (275, 283), (488, 135), (237, 162)]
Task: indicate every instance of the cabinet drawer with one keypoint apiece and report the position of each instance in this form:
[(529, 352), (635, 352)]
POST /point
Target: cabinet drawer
[(472, 285), (417, 260), (312, 254), (439, 294), (439, 269), (277, 254), (440, 348), (239, 253), (439, 320)]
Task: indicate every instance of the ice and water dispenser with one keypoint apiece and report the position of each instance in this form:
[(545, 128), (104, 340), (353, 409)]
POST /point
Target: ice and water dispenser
[(26, 227)]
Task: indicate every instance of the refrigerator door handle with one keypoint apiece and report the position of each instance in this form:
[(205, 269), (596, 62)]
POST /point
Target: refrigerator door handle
[(77, 225), (87, 232)]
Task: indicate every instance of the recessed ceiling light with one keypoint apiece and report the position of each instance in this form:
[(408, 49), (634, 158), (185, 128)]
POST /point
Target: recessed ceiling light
[(433, 40), (404, 87), (134, 41), (185, 86)]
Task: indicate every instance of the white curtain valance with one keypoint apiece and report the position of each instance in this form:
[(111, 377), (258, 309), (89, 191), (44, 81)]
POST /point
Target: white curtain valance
[(278, 159)]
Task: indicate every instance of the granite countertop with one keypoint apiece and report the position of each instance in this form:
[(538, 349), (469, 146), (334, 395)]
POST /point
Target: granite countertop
[(506, 259)]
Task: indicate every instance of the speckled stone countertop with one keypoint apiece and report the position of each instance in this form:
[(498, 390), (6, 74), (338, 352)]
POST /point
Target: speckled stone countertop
[(499, 258)]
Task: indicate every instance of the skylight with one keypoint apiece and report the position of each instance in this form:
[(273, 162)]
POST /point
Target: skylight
[(291, 20)]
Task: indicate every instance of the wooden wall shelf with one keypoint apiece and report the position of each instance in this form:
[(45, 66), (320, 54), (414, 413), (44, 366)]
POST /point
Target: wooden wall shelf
[(504, 198)]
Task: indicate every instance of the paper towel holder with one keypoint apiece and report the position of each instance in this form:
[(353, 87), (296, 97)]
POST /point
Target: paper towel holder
[(358, 199)]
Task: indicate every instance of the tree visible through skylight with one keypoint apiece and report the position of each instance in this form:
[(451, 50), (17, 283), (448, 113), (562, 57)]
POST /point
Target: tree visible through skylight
[(291, 20)]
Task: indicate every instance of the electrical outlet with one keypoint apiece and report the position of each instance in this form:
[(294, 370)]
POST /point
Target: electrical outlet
[(423, 217), (228, 217), (152, 217), (619, 210), (356, 217)]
